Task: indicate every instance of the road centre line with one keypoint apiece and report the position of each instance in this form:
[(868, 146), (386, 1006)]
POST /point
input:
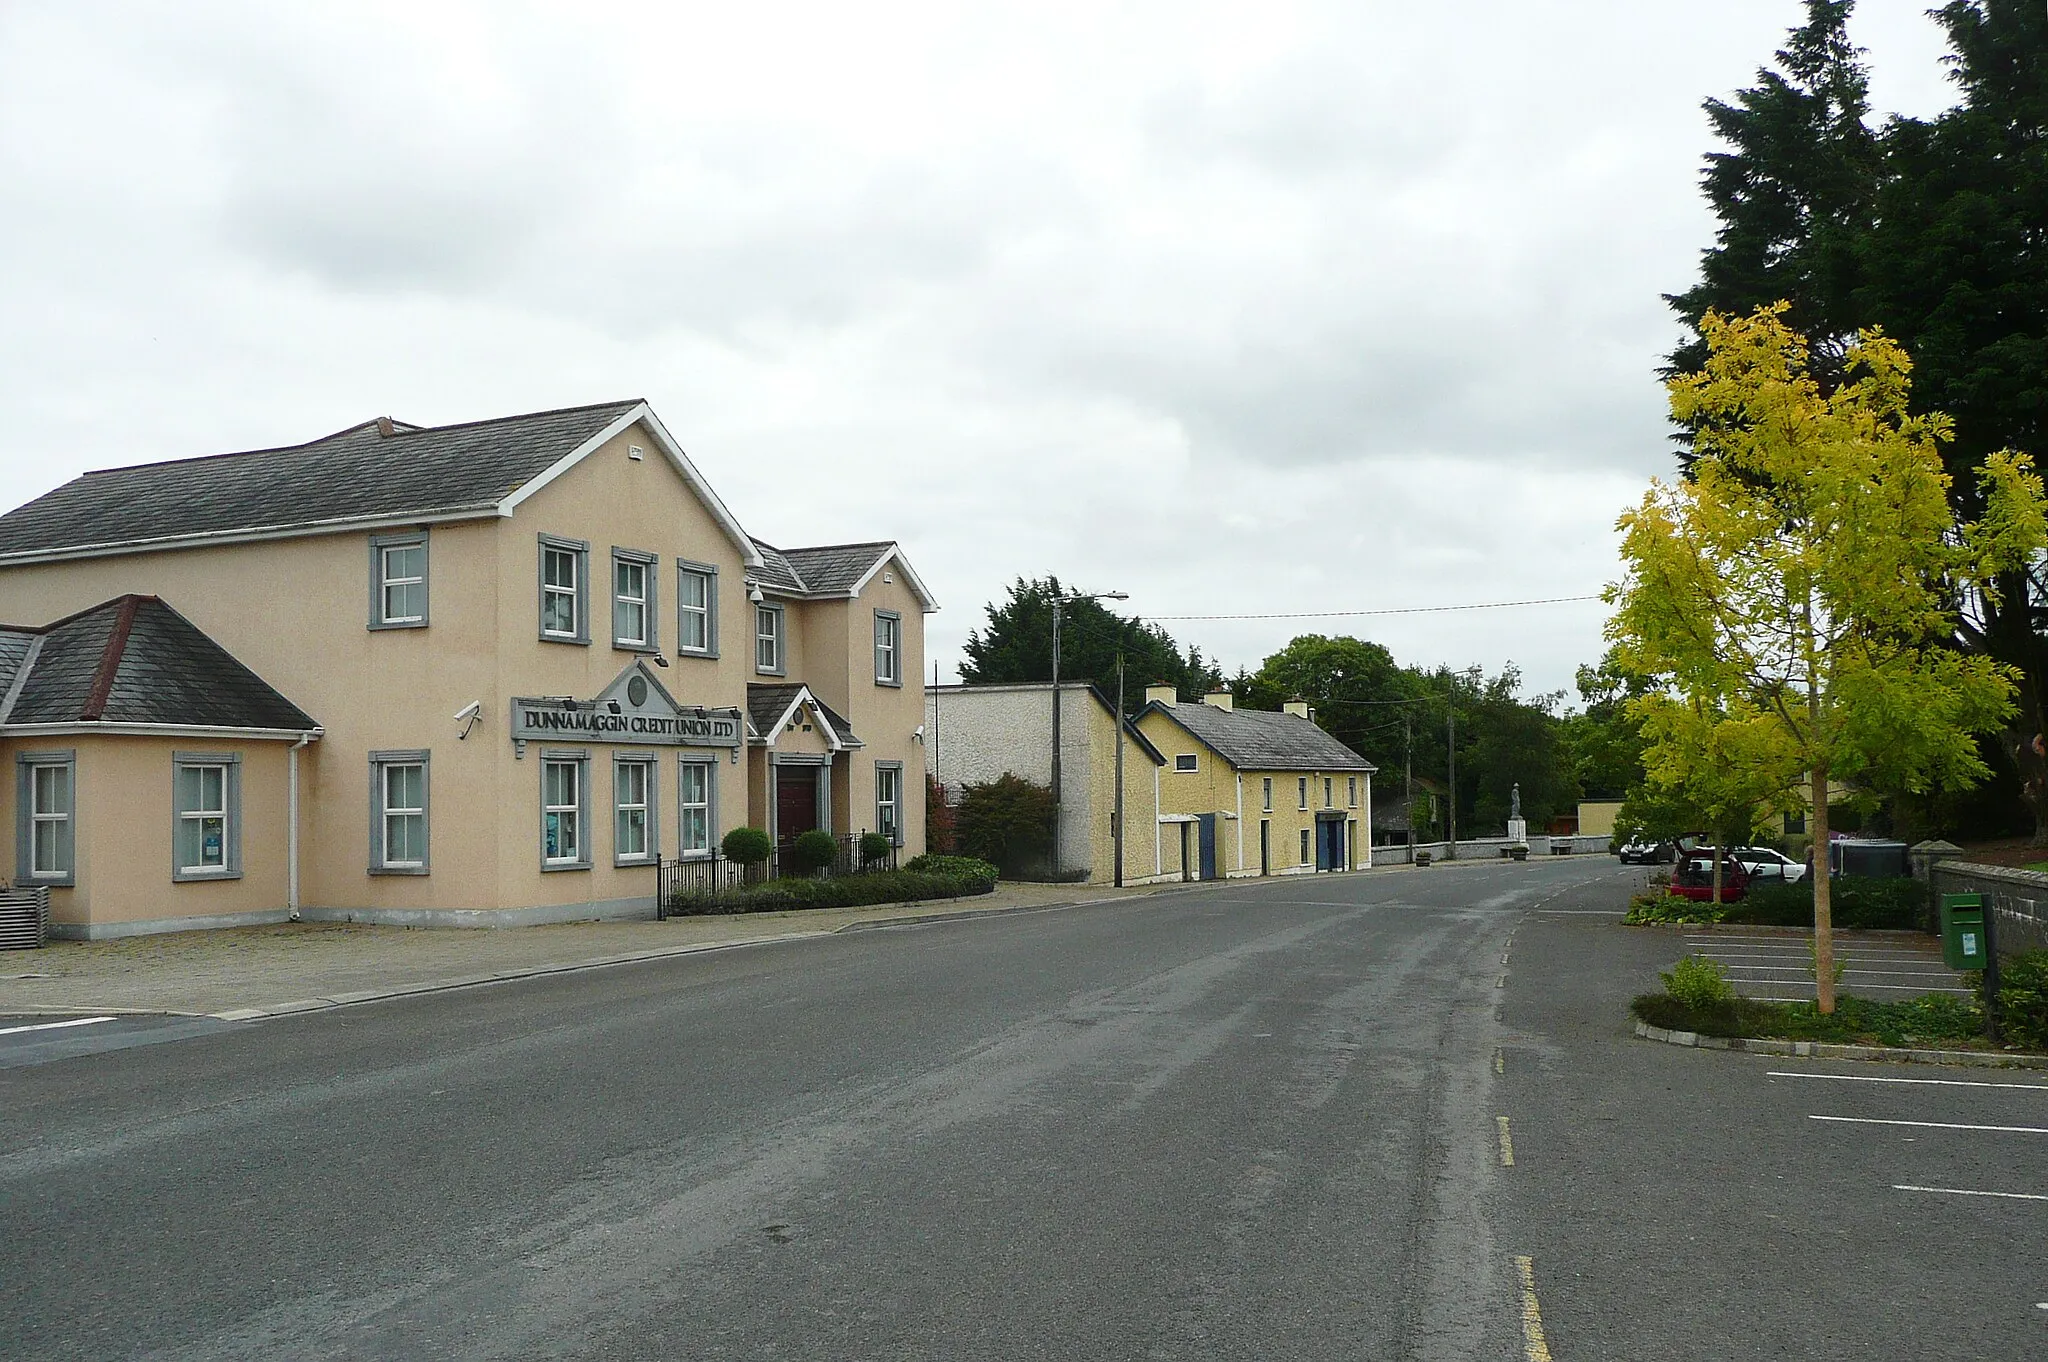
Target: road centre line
[(1929, 1082), (1931, 1125), (1535, 1347), (1964, 1191), (52, 1026), (1507, 1144)]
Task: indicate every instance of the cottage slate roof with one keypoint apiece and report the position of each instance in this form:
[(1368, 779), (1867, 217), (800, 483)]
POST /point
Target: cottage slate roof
[(766, 704), (379, 470), (1261, 740), (135, 660)]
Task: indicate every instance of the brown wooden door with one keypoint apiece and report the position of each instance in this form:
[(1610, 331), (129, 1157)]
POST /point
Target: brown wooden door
[(796, 801)]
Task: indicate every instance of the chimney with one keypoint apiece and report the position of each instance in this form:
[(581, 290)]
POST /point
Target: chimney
[(385, 430), (1300, 709), (1162, 694), (1218, 698)]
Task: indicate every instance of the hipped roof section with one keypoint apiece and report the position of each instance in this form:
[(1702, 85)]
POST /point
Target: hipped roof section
[(835, 570), (133, 660)]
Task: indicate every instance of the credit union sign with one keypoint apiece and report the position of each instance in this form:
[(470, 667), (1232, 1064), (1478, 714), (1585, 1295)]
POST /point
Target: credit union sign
[(634, 709)]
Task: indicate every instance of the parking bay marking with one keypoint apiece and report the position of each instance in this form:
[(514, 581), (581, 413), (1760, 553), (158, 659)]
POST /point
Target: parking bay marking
[(1964, 1191), (1930, 1082), (1931, 1125), (52, 1026)]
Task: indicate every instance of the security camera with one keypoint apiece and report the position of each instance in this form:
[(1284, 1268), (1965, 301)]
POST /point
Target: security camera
[(472, 710), (917, 734)]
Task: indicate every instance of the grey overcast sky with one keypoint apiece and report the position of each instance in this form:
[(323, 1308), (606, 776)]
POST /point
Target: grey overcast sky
[(1238, 308)]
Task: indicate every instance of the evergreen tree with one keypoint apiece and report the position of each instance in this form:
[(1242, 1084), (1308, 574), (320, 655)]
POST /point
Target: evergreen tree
[(1016, 646), (1795, 193), (1957, 271)]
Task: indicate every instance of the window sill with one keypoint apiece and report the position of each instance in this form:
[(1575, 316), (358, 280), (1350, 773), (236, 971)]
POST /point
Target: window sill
[(711, 653), (398, 870), (885, 681), (550, 867), (643, 649), (570, 639), (202, 876), (381, 626), (635, 862), (68, 881)]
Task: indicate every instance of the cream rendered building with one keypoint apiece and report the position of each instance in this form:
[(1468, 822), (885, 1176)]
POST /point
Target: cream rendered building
[(480, 674)]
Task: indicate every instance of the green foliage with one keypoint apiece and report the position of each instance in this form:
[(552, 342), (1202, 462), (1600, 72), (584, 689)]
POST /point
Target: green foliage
[(1858, 904), (932, 863), (2022, 999), (1659, 909), (1603, 742), (812, 851), (1016, 645), (746, 846), (1356, 689), (840, 891), (1931, 1021), (1699, 983), (875, 846), (1006, 821), (938, 816)]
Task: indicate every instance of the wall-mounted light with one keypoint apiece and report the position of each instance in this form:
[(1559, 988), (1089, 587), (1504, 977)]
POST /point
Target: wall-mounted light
[(754, 591)]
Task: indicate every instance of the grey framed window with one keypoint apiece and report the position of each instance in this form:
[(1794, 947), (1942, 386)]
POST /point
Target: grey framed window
[(633, 608), (697, 800), (564, 590), (46, 817), (1304, 846), (634, 826), (399, 812), (889, 800), (768, 639), (398, 581), (1267, 795), (888, 648), (1301, 789), (565, 811), (696, 609), (1351, 785), (1329, 791), (1186, 761), (206, 816)]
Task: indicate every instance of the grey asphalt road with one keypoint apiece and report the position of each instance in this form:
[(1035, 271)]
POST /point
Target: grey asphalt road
[(1256, 1121)]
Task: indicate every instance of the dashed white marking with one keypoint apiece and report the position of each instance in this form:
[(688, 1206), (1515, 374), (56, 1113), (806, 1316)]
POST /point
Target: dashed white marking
[(52, 1026), (1931, 1125), (1964, 1191), (1922, 1082)]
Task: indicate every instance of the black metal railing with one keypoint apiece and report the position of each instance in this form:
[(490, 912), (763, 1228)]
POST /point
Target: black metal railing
[(714, 877)]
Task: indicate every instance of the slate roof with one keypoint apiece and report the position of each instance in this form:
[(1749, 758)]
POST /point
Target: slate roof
[(767, 704), (135, 660), (1261, 740), (379, 470), (827, 569)]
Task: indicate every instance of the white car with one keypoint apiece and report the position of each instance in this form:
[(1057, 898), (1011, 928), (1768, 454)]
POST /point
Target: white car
[(1762, 863)]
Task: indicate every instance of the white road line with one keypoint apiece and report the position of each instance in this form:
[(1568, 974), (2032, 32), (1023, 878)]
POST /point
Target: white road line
[(1927, 1082), (1931, 1125), (1964, 1191), (52, 1026)]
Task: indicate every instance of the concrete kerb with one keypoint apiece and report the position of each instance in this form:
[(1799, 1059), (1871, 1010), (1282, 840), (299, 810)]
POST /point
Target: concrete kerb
[(1821, 1049)]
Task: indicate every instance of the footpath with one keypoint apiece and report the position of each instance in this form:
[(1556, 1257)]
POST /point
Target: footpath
[(240, 973)]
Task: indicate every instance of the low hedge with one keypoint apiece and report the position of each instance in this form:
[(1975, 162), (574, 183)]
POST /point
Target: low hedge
[(1936, 1020), (1856, 904), (840, 891), (931, 863), (2022, 998)]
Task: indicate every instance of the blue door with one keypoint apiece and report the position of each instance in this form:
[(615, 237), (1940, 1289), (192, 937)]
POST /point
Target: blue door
[(1329, 843), (1206, 847)]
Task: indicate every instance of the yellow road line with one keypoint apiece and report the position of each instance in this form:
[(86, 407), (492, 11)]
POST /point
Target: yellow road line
[(1500, 1065), (1507, 1144), (1535, 1347)]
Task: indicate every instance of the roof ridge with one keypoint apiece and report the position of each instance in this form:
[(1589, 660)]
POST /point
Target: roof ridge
[(407, 428), (855, 544), (111, 656)]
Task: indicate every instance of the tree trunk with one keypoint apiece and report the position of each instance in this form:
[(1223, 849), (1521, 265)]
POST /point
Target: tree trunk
[(1823, 906)]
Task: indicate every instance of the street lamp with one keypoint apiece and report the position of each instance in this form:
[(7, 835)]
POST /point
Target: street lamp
[(1057, 789)]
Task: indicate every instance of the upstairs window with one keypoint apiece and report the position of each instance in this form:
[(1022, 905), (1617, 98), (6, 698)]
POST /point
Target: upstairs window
[(1328, 801), (1301, 789), (888, 648), (697, 609), (1267, 795), (564, 588), (1351, 788), (1185, 761), (632, 599), (398, 581), (768, 656)]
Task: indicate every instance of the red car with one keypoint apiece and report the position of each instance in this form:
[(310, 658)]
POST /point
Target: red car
[(1692, 877)]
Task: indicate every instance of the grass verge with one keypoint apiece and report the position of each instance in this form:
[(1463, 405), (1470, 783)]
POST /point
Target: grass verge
[(1939, 1021)]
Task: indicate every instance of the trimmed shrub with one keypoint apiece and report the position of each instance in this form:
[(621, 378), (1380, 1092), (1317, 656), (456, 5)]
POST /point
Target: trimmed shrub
[(1008, 821), (874, 846), (842, 891), (746, 846), (1699, 983), (968, 867), (812, 851), (1857, 904), (2022, 999), (1647, 910)]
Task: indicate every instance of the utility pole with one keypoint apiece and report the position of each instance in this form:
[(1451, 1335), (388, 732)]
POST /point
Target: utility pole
[(938, 771), (1117, 817), (1408, 776), (1451, 804)]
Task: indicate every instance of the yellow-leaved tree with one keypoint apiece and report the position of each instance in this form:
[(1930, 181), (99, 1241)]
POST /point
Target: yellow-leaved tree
[(1793, 603)]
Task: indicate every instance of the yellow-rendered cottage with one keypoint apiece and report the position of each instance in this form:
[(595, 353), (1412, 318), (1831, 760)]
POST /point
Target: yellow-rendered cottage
[(476, 674), (1251, 792)]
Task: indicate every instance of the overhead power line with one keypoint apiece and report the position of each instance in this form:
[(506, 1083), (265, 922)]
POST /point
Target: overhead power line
[(1401, 610)]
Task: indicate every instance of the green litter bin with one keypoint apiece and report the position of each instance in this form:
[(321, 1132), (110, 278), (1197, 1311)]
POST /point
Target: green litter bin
[(1962, 930)]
